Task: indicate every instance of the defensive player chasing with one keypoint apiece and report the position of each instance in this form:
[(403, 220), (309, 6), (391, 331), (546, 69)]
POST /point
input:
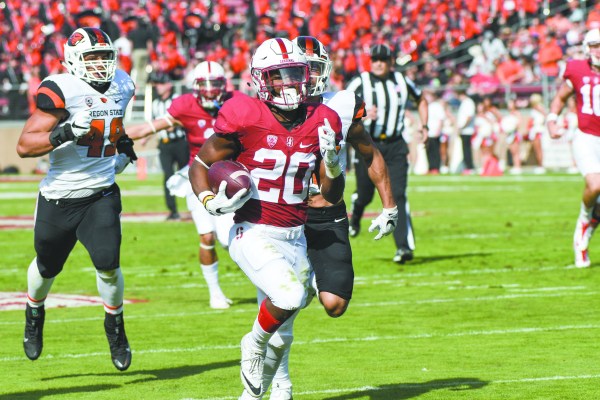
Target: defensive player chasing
[(582, 78), (327, 234), (196, 113), (79, 122), (282, 140)]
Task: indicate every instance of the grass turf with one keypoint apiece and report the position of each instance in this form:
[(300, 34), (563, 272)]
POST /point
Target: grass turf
[(491, 307)]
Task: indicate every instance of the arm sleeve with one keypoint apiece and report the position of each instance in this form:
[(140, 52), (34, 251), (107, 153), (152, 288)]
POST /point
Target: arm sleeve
[(359, 109)]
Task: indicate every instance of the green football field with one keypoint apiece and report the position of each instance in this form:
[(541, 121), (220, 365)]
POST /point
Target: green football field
[(491, 307)]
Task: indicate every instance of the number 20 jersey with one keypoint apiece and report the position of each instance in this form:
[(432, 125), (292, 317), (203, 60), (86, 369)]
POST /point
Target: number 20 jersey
[(586, 85), (79, 169), (280, 161)]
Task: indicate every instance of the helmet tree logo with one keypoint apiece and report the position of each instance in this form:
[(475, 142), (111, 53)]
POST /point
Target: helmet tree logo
[(75, 38)]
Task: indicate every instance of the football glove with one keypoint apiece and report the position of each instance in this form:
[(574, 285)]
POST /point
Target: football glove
[(81, 124), (386, 222), (219, 204), (125, 146), (328, 150), (71, 131)]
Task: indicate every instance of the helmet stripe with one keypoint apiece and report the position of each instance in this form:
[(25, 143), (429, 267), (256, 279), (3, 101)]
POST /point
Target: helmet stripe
[(100, 36), (284, 51), (310, 47)]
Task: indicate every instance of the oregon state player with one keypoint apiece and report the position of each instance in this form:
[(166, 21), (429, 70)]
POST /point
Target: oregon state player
[(79, 123)]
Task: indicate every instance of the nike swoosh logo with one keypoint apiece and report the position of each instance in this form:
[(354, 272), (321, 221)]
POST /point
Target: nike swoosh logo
[(339, 219), (253, 389), (107, 194), (118, 100), (304, 146)]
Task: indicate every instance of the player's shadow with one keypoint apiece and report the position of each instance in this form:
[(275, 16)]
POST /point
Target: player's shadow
[(249, 300), (426, 260), (146, 375), (50, 393), (403, 391)]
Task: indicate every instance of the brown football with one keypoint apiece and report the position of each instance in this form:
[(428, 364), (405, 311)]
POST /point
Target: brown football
[(234, 173)]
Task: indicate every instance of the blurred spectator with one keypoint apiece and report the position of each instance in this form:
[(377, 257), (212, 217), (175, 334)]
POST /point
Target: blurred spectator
[(465, 123), (509, 70), (549, 55), (492, 47), (142, 39)]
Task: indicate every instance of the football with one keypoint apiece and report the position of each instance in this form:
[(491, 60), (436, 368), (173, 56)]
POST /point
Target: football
[(234, 173)]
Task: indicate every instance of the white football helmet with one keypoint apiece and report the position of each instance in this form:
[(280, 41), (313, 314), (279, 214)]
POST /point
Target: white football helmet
[(319, 63), (83, 42), (280, 73), (209, 84), (592, 38)]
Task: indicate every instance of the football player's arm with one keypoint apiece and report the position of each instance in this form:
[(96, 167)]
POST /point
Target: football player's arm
[(376, 167), (423, 109), (216, 148), (35, 136), (148, 128), (556, 106), (332, 189)]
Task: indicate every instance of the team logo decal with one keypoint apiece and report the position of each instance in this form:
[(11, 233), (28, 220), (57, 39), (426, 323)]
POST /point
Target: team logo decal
[(104, 99), (89, 101), (289, 141), (271, 140), (75, 38), (201, 123)]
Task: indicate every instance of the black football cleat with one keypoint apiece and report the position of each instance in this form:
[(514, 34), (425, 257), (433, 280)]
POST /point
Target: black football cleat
[(34, 331), (403, 256), (117, 341)]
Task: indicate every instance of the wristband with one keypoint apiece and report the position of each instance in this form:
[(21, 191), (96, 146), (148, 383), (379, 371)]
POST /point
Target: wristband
[(205, 197), (552, 117), (61, 135)]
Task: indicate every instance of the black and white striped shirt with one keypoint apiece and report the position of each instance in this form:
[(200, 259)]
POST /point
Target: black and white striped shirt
[(390, 96)]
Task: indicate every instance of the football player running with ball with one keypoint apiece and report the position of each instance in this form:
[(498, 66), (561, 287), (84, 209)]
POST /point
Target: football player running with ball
[(581, 78), (326, 231), (79, 123), (281, 139), (196, 113)]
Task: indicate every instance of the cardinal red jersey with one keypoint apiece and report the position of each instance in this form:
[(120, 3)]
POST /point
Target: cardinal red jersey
[(280, 161), (197, 122), (586, 85)]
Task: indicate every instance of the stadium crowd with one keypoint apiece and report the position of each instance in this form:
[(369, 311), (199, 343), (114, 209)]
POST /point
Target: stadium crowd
[(490, 47)]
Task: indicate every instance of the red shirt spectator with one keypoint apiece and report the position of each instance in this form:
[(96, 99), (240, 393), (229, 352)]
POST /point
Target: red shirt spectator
[(549, 55)]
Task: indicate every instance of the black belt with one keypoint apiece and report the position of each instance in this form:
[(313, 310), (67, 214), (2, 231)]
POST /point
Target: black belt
[(114, 188)]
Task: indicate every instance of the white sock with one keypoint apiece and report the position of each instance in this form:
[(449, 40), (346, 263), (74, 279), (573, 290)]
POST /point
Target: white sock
[(273, 363), (259, 335), (282, 375), (38, 287), (585, 213), (211, 276), (111, 287)]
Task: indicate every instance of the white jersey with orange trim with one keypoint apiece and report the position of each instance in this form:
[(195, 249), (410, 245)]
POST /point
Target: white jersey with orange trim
[(82, 168)]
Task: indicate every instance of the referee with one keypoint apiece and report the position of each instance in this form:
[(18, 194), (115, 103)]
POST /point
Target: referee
[(386, 94), (172, 146)]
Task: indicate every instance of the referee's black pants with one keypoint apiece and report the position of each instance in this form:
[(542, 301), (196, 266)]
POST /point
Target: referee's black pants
[(395, 155), (171, 154)]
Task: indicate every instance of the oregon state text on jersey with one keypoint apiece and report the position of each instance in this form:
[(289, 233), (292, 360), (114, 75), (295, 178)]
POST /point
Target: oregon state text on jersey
[(197, 122), (89, 161), (280, 161), (585, 83)]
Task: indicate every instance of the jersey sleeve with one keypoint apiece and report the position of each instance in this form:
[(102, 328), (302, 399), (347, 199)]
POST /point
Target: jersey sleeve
[(177, 107), (228, 120), (568, 73), (49, 96)]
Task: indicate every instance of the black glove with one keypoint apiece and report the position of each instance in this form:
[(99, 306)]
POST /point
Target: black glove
[(125, 146)]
